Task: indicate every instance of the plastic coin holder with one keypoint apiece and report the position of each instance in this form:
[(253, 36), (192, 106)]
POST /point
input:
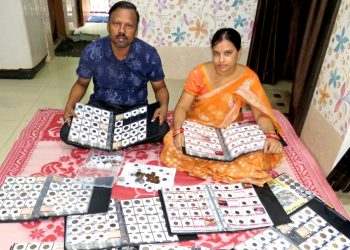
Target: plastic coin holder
[(80, 114), (135, 112), (142, 122), (125, 135), (96, 118), (105, 113), (134, 125), (94, 131), (142, 136), (104, 120), (118, 131), (127, 115), (118, 123)]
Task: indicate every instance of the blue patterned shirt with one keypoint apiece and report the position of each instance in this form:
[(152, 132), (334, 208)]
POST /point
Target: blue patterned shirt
[(121, 82)]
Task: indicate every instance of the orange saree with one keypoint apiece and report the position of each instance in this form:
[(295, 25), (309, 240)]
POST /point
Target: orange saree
[(219, 108)]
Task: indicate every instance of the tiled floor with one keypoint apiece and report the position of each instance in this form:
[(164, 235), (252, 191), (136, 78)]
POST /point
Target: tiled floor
[(20, 99)]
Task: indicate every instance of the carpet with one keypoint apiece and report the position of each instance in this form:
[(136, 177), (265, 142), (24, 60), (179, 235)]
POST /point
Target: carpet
[(39, 152), (74, 44)]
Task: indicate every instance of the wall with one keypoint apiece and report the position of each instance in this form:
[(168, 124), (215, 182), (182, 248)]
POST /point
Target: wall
[(181, 29), (326, 131), (23, 42)]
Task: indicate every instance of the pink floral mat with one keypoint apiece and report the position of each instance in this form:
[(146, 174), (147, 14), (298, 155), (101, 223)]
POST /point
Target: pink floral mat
[(39, 151)]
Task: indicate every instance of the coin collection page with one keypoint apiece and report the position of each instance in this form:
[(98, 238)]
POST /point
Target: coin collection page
[(91, 127), (38, 246), (213, 208), (45, 246), (222, 144), (99, 128), (270, 239), (148, 177), (29, 198), (310, 231), (102, 164), (130, 128), (145, 222), (95, 231), (169, 247), (290, 194)]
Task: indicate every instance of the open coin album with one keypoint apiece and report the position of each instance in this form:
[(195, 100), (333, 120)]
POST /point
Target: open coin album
[(316, 226), (127, 223), (222, 144), (100, 128), (290, 193), (30, 198), (213, 208), (269, 238), (148, 177)]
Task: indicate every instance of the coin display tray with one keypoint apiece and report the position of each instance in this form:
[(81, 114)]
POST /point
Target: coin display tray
[(213, 208), (99, 128), (29, 198), (128, 222), (224, 144)]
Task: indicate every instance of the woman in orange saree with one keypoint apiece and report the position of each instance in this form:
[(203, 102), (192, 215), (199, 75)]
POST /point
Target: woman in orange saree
[(214, 95)]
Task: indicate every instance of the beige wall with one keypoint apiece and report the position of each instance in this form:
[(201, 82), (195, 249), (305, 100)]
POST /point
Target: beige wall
[(328, 121), (321, 139), (178, 61)]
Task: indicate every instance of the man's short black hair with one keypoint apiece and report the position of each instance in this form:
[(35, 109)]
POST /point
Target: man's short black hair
[(124, 5)]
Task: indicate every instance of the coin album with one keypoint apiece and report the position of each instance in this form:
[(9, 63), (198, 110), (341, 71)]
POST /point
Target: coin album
[(127, 223), (38, 246), (102, 129), (224, 144), (269, 238), (34, 197), (290, 193), (44, 246), (216, 208)]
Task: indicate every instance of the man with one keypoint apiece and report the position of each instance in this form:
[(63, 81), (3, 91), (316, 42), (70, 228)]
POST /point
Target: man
[(120, 65)]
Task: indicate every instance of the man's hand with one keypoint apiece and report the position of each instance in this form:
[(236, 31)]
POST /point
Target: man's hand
[(160, 113), (68, 114)]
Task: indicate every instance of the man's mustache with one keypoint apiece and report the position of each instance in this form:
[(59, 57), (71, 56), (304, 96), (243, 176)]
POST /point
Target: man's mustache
[(121, 36)]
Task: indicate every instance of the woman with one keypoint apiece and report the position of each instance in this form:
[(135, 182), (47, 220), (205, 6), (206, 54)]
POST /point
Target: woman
[(214, 95)]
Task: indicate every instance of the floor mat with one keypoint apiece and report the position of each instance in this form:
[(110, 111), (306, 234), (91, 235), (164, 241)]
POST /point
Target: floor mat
[(40, 152), (74, 44)]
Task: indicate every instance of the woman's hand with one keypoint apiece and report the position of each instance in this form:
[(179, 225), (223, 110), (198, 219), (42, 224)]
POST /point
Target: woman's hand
[(273, 146), (179, 141)]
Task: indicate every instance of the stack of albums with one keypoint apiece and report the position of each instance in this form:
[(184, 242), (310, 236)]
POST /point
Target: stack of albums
[(222, 144), (31, 198), (127, 223), (101, 129)]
